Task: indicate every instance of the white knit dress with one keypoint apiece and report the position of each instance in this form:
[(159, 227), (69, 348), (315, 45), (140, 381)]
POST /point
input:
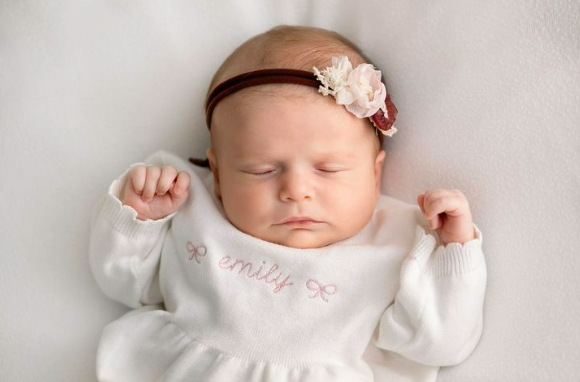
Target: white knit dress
[(213, 304)]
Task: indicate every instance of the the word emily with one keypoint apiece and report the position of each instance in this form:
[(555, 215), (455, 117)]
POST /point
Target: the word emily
[(227, 263)]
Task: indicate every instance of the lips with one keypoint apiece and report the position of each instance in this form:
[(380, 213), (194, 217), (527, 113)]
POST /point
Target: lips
[(299, 220)]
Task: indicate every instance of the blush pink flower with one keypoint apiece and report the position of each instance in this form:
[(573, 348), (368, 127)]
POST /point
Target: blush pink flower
[(369, 92)]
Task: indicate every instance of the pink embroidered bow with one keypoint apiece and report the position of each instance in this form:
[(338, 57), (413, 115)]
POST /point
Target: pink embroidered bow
[(320, 290), (197, 252)]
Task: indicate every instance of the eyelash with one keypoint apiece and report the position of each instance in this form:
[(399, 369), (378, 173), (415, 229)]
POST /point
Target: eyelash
[(328, 171), (261, 173)]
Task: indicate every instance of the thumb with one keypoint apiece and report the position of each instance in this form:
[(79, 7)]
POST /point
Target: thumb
[(420, 202)]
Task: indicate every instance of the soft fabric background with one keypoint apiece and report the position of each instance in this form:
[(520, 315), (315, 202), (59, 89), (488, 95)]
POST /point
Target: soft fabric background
[(488, 96)]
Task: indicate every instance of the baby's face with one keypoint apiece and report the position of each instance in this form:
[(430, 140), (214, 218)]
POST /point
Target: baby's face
[(299, 171)]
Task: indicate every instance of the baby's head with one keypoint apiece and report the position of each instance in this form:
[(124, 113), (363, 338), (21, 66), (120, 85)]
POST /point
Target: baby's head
[(291, 166)]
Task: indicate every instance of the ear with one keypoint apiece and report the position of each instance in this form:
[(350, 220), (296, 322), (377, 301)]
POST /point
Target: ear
[(379, 162), (214, 169)]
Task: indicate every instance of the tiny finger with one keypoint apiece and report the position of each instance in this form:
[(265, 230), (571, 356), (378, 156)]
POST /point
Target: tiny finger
[(181, 183), (168, 175), (137, 176), (435, 223), (153, 174)]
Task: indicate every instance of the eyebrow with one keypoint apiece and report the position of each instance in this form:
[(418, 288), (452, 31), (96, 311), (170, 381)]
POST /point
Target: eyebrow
[(329, 156), (339, 155)]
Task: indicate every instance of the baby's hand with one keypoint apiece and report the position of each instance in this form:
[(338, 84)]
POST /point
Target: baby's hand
[(155, 192), (448, 213)]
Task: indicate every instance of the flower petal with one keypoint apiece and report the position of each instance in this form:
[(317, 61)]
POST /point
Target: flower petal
[(343, 65), (357, 110), (344, 97)]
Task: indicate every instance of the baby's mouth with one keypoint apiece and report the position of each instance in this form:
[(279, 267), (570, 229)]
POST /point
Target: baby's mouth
[(299, 221)]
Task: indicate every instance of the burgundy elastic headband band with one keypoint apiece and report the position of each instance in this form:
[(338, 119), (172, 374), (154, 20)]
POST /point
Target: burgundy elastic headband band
[(258, 77), (284, 76)]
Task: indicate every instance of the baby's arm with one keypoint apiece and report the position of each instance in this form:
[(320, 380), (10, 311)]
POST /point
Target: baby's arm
[(125, 246), (437, 315)]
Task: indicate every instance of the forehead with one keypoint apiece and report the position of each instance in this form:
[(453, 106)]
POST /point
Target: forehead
[(262, 120)]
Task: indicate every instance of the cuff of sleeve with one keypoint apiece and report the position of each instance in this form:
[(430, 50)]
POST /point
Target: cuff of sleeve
[(453, 258), (124, 218)]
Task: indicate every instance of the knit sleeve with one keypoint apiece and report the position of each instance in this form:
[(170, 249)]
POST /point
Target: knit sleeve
[(124, 251), (437, 315)]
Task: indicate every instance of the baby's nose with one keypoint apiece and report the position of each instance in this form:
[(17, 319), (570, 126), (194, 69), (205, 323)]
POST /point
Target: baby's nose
[(296, 186)]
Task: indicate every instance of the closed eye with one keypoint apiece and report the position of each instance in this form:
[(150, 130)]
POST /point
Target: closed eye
[(331, 170), (259, 173)]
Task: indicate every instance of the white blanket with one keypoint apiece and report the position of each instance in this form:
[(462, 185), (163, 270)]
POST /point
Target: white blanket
[(488, 96)]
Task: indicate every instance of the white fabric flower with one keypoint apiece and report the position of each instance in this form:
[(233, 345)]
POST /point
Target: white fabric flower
[(334, 79), (344, 67)]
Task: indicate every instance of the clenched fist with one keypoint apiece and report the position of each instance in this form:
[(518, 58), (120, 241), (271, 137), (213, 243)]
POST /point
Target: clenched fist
[(155, 192), (448, 212)]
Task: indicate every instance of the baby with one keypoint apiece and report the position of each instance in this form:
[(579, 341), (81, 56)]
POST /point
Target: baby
[(284, 262)]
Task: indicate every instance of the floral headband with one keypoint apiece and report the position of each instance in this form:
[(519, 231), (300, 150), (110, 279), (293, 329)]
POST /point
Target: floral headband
[(360, 90)]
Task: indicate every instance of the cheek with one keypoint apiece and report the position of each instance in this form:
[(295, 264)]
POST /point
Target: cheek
[(356, 198), (254, 197)]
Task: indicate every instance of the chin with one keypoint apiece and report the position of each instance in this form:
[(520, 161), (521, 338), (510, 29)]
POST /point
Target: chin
[(301, 242), (303, 245)]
